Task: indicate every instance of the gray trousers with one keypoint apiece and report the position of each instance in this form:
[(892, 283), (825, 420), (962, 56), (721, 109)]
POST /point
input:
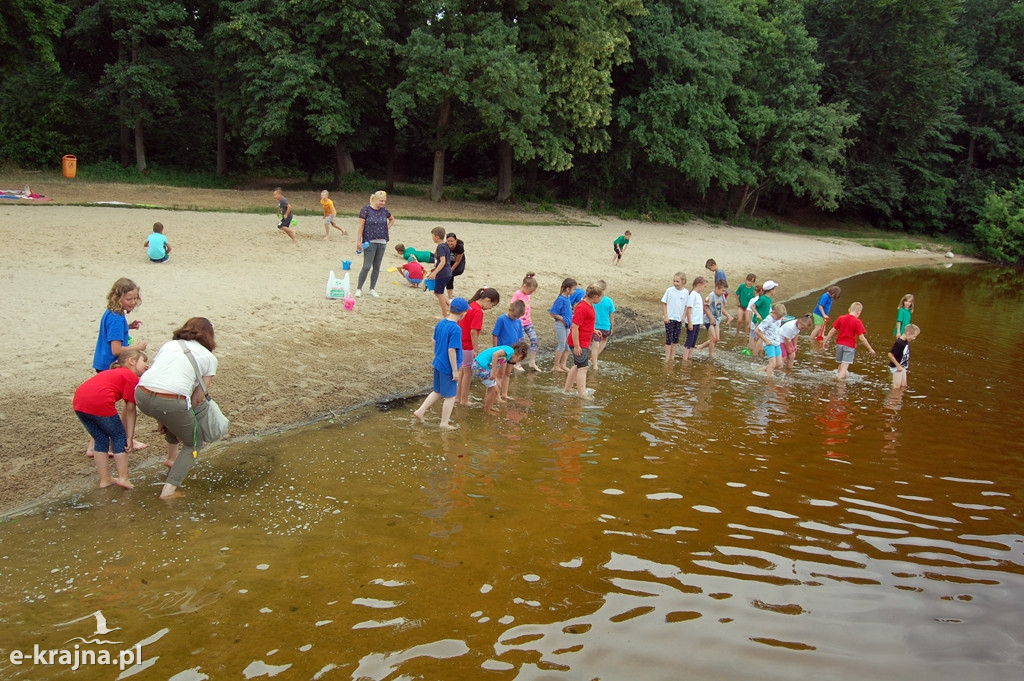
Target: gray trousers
[(181, 427)]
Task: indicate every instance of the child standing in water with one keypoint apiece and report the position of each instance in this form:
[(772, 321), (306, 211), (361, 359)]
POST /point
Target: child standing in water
[(823, 309), (693, 316), (903, 313), (673, 304), (791, 334), (604, 322), (561, 312), (848, 329), (95, 404), (491, 363), (769, 333), (580, 336), (525, 291), (508, 330), (446, 364), (471, 323), (745, 292), (899, 356), (330, 215), (716, 306)]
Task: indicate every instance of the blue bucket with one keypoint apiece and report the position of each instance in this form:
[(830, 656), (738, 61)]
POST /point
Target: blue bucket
[(428, 284), (346, 264)]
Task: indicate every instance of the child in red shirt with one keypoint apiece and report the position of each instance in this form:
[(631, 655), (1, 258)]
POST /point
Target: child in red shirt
[(95, 404), (848, 329), (582, 331)]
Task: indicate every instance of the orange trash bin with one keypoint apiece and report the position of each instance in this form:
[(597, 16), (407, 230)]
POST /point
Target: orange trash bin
[(70, 166)]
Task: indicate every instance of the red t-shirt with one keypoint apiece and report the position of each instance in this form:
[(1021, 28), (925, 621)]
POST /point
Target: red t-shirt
[(584, 317), (473, 319), (99, 395), (414, 269), (847, 329)]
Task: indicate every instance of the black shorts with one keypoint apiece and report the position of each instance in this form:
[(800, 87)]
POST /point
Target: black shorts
[(582, 360)]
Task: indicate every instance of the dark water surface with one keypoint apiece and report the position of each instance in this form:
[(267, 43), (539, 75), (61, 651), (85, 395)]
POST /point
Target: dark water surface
[(689, 522)]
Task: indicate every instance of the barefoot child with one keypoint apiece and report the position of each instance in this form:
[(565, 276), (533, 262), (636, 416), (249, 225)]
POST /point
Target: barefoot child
[(791, 334), (442, 271), (904, 313), (673, 304), (582, 332), (768, 331), (561, 312), (693, 316), (823, 309), (284, 211), (471, 323), (761, 309), (619, 245), (716, 307), (508, 330), (604, 322), (330, 215), (95, 404), (745, 292), (157, 247), (848, 329), (413, 273), (899, 356), (526, 290), (446, 364), (718, 272), (490, 364)]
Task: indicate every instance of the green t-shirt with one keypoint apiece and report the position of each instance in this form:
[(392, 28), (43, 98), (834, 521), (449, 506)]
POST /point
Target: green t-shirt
[(621, 241), (744, 294), (902, 319), (762, 308), (411, 254)]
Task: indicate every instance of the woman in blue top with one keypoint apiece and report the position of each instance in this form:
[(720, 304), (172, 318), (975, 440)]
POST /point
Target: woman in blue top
[(375, 223)]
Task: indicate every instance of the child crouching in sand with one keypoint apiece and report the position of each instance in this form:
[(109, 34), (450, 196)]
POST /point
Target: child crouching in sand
[(95, 404)]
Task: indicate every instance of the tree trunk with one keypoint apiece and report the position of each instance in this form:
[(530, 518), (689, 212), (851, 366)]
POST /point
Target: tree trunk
[(389, 169), (504, 171), (531, 177), (125, 143), (140, 147), (222, 142), (437, 183), (972, 144), (343, 164)]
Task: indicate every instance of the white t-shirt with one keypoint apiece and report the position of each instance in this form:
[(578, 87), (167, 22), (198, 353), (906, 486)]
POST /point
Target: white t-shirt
[(770, 327), (675, 302), (696, 303), (171, 372), (789, 330)]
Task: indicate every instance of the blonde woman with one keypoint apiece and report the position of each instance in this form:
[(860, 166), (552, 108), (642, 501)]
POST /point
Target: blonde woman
[(375, 223)]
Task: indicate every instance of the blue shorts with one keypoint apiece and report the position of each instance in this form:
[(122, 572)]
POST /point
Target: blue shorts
[(444, 384), (414, 282), (771, 351), (691, 336), (107, 431)]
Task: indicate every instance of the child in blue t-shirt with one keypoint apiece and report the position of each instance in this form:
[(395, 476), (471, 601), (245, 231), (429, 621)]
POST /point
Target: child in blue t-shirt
[(822, 310), (446, 364), (123, 297), (561, 312), (157, 247), (508, 330)]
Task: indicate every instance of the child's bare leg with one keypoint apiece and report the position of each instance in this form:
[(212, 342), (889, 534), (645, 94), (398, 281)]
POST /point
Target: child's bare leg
[(533, 360), (442, 300), (172, 454), (670, 352), (121, 462), (571, 377), (843, 368), (581, 382), (90, 451), (446, 413), (489, 397), (465, 380), (291, 235), (170, 491), (103, 468), (506, 375), (430, 399)]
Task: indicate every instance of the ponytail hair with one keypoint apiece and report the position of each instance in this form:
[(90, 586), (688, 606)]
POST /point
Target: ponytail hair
[(490, 294), (529, 281), (567, 283)]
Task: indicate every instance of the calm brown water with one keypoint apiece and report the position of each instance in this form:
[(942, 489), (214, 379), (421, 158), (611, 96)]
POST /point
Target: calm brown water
[(689, 522)]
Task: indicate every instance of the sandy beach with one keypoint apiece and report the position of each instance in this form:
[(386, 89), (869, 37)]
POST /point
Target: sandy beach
[(287, 354)]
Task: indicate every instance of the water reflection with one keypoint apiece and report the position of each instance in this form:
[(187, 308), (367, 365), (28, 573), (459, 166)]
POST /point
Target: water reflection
[(693, 518)]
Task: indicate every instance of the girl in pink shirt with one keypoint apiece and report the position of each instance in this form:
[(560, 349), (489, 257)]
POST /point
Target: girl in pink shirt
[(523, 294)]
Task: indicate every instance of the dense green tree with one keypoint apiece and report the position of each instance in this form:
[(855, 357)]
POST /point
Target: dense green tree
[(143, 76), (28, 29), (894, 65), (311, 69), (1000, 229)]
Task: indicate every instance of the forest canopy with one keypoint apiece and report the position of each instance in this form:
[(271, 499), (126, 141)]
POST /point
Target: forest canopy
[(908, 115)]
